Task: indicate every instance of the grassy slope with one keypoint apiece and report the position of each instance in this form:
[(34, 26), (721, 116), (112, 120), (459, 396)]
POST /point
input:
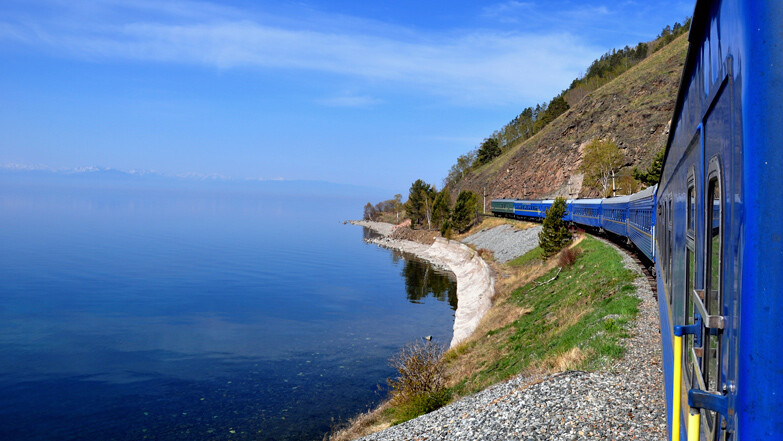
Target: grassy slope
[(576, 321)]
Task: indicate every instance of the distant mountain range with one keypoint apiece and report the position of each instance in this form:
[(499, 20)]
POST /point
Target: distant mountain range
[(101, 177)]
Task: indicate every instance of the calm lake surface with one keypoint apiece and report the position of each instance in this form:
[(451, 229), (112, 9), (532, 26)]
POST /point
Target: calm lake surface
[(180, 314)]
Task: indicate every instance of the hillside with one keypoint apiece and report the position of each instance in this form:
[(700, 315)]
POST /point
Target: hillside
[(634, 110)]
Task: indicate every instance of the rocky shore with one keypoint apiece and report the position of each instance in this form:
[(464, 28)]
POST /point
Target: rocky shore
[(475, 284)]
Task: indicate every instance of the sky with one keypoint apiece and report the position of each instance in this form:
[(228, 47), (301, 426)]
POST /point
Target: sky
[(353, 92)]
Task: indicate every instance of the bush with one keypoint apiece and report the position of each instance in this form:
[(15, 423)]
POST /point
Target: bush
[(420, 385), (568, 257), (445, 230), (419, 405), (486, 254)]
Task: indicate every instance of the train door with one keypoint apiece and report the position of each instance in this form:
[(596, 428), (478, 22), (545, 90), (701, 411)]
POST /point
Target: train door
[(708, 208)]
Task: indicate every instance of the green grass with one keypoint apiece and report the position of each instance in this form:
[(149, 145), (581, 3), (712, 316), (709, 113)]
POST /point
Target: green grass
[(587, 307), (534, 255), (418, 406)]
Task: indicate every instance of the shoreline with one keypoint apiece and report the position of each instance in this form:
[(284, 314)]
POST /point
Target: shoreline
[(475, 284)]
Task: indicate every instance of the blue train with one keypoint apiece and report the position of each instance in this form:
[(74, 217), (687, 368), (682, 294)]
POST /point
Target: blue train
[(631, 217), (717, 247), (718, 206)]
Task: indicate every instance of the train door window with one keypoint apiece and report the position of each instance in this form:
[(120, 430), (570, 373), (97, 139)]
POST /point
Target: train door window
[(713, 297), (690, 276), (691, 210), (713, 301), (669, 242)]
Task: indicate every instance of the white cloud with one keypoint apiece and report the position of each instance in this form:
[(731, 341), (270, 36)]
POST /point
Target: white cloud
[(479, 66)]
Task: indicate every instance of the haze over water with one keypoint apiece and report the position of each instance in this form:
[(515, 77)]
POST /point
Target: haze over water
[(206, 313)]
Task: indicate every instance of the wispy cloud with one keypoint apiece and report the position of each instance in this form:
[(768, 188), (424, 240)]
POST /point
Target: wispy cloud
[(349, 100), (470, 66)]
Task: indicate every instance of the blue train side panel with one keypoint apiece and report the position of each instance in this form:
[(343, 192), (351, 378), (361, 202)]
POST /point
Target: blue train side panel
[(641, 221), (614, 215), (718, 243), (527, 208), (587, 212)]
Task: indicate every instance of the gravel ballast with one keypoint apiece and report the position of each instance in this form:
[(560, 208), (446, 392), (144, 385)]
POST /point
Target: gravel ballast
[(623, 402), (505, 241)]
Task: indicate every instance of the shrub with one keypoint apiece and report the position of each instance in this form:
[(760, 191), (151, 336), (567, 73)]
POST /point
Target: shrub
[(420, 385), (486, 254), (568, 257), (419, 405), (445, 230), (419, 370)]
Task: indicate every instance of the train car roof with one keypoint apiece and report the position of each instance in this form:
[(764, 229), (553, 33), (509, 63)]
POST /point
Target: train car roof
[(617, 200), (700, 20), (527, 201), (646, 193), (503, 200), (588, 201)]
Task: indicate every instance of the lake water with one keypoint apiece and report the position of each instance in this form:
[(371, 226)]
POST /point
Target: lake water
[(202, 314)]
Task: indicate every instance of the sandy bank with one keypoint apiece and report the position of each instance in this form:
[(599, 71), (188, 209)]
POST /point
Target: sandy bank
[(475, 285)]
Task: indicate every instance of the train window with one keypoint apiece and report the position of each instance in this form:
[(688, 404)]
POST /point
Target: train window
[(711, 353), (691, 209), (690, 284), (713, 298), (669, 242)]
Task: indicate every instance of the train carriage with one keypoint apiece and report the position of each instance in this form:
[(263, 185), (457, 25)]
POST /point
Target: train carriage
[(614, 215), (719, 254), (641, 221), (502, 207), (525, 209), (586, 212)]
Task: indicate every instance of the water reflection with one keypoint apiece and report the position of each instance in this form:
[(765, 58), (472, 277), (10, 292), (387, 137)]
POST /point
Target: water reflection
[(423, 279)]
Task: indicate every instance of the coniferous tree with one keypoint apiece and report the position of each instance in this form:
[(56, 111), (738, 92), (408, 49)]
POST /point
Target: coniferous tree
[(441, 207), (554, 233), (465, 210), (489, 150), (653, 173)]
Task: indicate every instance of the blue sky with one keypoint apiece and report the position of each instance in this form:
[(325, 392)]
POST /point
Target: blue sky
[(353, 92)]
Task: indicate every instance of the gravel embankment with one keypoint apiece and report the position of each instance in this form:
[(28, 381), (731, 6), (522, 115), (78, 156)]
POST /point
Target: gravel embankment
[(624, 402), (505, 241)]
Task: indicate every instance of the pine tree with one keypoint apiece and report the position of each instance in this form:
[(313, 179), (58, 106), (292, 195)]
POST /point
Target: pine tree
[(441, 207), (554, 233), (464, 210)]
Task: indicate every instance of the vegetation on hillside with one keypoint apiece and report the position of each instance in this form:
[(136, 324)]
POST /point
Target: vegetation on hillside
[(652, 175), (601, 160), (534, 118), (572, 320)]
